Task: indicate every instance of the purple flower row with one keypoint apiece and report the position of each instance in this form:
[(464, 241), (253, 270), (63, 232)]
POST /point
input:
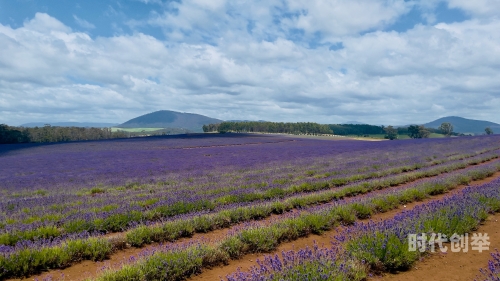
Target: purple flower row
[(383, 246)]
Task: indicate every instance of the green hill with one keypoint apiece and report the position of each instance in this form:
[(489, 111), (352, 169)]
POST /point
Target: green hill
[(170, 119), (464, 125)]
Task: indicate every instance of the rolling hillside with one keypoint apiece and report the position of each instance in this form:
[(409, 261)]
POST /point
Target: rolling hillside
[(170, 119), (464, 125)]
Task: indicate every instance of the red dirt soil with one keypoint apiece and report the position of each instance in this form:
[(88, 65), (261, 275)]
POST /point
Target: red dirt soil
[(249, 260), (86, 269), (453, 266)]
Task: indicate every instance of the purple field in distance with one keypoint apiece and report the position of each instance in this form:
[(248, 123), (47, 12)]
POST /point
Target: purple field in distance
[(144, 160)]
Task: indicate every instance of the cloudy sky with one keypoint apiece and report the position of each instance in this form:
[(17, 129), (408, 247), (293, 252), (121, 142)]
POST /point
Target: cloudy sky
[(327, 61)]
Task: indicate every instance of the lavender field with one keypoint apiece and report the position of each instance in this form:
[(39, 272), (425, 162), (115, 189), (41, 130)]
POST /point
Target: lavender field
[(60, 201), (68, 167)]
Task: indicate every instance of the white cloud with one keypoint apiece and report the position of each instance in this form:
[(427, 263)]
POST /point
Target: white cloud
[(438, 108), (479, 8), (475, 8), (83, 23), (345, 17), (44, 23), (193, 19), (49, 71)]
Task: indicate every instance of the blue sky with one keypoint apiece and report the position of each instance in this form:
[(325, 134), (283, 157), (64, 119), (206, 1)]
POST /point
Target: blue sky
[(375, 61), (97, 18)]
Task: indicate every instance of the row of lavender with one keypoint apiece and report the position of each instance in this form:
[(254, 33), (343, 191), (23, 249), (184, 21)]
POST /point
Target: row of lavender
[(76, 246), (118, 207), (492, 273), (174, 262), (253, 237), (375, 199), (285, 204), (376, 247), (187, 225)]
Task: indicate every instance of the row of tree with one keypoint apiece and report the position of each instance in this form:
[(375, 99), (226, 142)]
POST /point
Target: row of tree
[(356, 129), (9, 134), (269, 127), (315, 128), (413, 131), (418, 132)]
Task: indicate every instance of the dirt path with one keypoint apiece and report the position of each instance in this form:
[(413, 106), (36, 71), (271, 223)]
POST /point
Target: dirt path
[(86, 269)]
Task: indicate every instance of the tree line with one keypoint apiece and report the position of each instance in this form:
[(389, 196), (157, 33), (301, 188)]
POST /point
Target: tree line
[(390, 132), (356, 129), (10, 134), (269, 127), (414, 131), (315, 128)]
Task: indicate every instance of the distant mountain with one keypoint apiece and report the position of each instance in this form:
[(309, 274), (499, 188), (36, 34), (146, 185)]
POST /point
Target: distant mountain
[(464, 125), (170, 119), (69, 124)]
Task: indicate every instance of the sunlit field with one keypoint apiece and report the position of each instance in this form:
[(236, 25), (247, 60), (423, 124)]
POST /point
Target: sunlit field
[(66, 203)]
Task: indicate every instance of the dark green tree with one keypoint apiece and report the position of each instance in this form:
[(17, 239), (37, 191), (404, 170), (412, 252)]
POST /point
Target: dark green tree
[(446, 129), (488, 131), (418, 132), (423, 132), (49, 133), (357, 129), (413, 132), (391, 133)]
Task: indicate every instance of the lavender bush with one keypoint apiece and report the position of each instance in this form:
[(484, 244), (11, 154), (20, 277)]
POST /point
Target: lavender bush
[(315, 264), (492, 273)]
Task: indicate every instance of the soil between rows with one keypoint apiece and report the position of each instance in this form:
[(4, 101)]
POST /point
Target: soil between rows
[(89, 269), (247, 261)]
